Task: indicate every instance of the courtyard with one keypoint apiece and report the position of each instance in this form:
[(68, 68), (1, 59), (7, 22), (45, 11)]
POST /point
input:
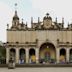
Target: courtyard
[(46, 69)]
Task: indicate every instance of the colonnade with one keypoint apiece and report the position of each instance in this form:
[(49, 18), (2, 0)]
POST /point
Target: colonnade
[(17, 56)]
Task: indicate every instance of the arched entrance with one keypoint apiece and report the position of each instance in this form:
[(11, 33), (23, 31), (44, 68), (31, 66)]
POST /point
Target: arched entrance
[(22, 56), (62, 56), (70, 55), (47, 53), (12, 54), (32, 57)]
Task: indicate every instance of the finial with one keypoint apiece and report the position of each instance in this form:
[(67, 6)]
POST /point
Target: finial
[(62, 20), (56, 20), (26, 24), (15, 6), (7, 26), (31, 20), (22, 20), (68, 24), (38, 19), (15, 9)]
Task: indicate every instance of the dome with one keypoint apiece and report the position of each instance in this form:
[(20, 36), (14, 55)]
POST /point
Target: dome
[(44, 18), (47, 17), (15, 18)]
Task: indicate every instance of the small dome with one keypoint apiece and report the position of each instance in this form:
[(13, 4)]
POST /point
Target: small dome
[(44, 18), (47, 17), (15, 16)]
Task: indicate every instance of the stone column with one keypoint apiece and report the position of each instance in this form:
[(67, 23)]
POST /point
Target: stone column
[(37, 55), (17, 55), (7, 55), (27, 55), (67, 55), (57, 55)]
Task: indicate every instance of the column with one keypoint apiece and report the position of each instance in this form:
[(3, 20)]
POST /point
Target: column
[(17, 55), (7, 55), (57, 55), (27, 55), (37, 55), (67, 55)]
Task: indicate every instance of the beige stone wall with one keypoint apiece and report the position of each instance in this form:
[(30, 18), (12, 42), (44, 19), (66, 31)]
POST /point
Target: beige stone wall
[(41, 35)]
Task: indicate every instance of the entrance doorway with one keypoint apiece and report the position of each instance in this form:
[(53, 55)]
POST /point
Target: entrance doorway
[(47, 53)]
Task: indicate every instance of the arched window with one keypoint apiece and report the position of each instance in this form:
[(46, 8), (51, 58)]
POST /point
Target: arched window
[(62, 56), (12, 54), (70, 55), (32, 57), (22, 56)]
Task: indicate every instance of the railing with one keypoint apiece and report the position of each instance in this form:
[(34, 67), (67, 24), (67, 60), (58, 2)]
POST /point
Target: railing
[(66, 44), (20, 44)]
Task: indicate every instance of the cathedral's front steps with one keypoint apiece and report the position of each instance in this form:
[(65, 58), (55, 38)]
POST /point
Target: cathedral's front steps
[(43, 65), (38, 65)]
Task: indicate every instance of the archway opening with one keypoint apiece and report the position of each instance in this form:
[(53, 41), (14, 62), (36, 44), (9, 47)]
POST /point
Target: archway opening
[(70, 55), (47, 53), (62, 56), (22, 56), (32, 57), (12, 54)]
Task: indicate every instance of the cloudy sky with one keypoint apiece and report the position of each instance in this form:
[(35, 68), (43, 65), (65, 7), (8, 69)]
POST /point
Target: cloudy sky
[(33, 8)]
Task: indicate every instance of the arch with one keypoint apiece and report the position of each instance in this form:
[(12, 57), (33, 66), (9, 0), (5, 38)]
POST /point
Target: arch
[(70, 55), (32, 56), (47, 53), (22, 56), (12, 54), (62, 55)]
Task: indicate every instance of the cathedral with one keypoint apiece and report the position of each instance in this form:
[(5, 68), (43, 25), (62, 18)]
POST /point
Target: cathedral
[(45, 42)]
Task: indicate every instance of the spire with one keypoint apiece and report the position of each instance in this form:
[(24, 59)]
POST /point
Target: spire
[(15, 6), (56, 20), (15, 16), (26, 24), (68, 24), (15, 9), (38, 19)]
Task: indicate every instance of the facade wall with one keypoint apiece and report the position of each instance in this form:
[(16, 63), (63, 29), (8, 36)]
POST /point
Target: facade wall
[(41, 35)]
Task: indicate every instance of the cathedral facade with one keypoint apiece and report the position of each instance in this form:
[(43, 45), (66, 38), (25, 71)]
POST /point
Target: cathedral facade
[(46, 41)]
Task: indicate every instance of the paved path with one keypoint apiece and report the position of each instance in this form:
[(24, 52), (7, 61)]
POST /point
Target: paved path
[(47, 69)]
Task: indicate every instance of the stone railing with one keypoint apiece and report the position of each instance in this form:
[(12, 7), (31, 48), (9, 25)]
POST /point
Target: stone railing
[(20, 44), (64, 44)]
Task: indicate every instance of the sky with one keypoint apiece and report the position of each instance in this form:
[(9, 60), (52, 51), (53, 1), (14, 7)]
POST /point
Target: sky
[(33, 8)]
